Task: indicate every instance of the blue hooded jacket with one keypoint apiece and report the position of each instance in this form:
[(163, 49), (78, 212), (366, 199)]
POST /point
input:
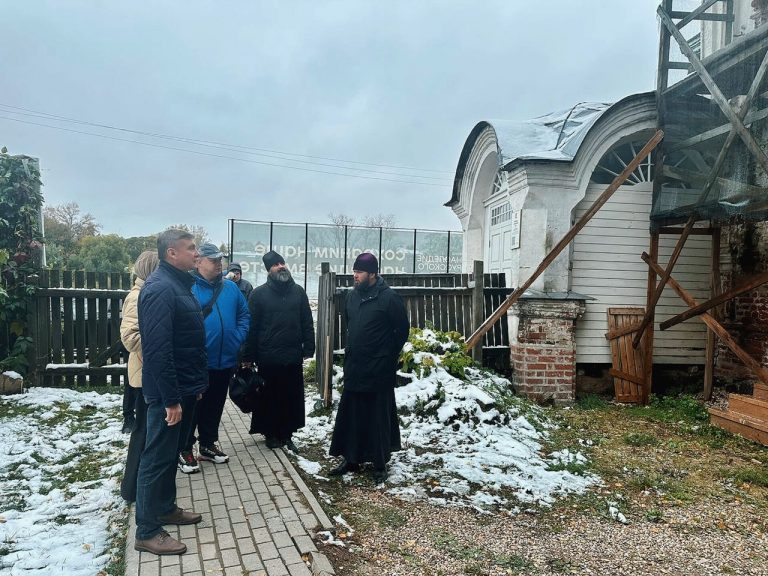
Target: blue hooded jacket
[(227, 325)]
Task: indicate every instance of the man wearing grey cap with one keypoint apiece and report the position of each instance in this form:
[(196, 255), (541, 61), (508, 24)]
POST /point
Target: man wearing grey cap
[(226, 319)]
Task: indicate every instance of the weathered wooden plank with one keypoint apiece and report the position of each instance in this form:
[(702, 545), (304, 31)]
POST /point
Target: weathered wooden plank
[(742, 425), (68, 325), (83, 372), (96, 294), (54, 279), (80, 326)]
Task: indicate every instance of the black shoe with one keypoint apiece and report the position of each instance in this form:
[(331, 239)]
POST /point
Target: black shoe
[(273, 443), (380, 476), (212, 453), (290, 446), (129, 423), (343, 468)]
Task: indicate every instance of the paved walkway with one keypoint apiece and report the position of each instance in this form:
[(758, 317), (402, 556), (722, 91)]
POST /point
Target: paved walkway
[(258, 515)]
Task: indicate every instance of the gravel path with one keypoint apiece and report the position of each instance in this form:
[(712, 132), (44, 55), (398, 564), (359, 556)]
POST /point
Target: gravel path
[(717, 538)]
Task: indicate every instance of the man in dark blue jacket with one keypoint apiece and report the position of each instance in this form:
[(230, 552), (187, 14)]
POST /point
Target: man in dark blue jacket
[(173, 376), (366, 427), (226, 325)]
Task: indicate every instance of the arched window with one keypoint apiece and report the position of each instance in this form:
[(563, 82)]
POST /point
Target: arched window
[(679, 165)]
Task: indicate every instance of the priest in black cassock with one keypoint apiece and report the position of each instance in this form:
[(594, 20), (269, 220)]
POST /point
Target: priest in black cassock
[(366, 427)]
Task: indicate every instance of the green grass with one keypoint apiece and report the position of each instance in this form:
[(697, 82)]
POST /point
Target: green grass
[(592, 402), (640, 439), (748, 475), (684, 408)]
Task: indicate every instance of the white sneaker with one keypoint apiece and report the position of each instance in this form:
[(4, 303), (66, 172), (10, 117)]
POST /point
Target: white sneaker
[(188, 463), (212, 453)]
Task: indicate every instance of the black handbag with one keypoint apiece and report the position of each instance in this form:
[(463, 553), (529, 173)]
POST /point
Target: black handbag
[(245, 388)]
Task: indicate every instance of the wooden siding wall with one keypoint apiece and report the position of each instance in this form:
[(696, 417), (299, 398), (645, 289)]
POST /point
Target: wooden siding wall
[(606, 265)]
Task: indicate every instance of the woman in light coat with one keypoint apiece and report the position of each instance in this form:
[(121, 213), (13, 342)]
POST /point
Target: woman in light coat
[(129, 334)]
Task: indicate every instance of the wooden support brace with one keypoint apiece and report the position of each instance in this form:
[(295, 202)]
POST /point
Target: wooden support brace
[(626, 376), (565, 240), (619, 332), (753, 283), (717, 328)]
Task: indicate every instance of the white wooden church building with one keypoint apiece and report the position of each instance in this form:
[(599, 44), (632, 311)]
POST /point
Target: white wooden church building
[(518, 188)]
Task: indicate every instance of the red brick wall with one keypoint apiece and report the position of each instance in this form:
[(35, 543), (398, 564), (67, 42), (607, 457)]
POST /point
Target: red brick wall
[(544, 354)]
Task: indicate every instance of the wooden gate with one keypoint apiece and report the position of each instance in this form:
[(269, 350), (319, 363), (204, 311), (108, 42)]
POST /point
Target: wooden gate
[(627, 371)]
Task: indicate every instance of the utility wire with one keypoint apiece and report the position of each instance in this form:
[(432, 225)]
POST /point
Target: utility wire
[(200, 153), (234, 147)]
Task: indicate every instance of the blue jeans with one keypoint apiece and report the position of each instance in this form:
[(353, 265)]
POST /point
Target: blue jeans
[(156, 483)]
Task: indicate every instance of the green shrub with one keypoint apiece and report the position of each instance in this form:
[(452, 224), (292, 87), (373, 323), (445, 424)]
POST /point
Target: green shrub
[(455, 363), (309, 371)]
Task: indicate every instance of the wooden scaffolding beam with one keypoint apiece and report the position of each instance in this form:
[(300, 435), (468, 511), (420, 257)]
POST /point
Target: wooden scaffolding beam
[(737, 129)]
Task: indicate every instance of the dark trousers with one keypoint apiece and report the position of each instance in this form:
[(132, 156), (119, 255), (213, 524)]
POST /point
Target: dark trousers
[(210, 408), (156, 482), (135, 448), (130, 396), (280, 410)]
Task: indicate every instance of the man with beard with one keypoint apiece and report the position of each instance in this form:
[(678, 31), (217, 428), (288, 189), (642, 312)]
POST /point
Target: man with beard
[(281, 335), (366, 427)]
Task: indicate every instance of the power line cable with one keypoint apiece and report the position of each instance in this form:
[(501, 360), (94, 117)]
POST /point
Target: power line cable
[(200, 153), (232, 147)]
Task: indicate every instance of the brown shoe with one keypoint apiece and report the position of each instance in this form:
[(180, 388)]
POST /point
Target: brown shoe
[(161, 544), (180, 517)]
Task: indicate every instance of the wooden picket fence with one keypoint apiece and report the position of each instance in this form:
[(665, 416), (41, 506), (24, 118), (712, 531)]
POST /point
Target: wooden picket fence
[(75, 324), (447, 302)]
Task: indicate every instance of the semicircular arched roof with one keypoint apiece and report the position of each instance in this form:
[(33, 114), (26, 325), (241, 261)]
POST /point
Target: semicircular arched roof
[(553, 137)]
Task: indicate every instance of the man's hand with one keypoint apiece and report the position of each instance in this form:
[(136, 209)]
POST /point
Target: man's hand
[(173, 414)]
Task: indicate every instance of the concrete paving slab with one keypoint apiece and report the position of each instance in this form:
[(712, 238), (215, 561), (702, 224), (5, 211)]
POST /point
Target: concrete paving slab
[(259, 517)]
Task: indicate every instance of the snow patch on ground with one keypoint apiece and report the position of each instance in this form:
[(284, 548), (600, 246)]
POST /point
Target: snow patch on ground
[(52, 518), (466, 443)]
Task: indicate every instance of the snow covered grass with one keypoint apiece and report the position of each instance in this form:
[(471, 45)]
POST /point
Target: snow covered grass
[(61, 455), (467, 441)]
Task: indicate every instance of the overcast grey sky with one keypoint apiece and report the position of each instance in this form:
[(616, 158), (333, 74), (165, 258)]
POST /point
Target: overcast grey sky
[(396, 83)]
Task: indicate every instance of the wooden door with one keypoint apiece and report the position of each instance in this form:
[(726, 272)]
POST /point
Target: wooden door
[(627, 370)]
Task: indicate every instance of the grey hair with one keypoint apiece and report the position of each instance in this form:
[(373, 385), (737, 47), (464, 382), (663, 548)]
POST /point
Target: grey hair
[(168, 239), (145, 264)]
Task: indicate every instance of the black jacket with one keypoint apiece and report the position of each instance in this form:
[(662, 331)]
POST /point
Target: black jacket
[(282, 330), (245, 288), (377, 328), (172, 337)]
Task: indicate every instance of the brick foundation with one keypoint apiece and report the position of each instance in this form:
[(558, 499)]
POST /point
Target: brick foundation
[(544, 352)]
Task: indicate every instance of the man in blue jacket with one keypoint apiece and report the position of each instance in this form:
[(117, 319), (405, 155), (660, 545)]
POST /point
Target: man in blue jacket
[(226, 325), (173, 376)]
